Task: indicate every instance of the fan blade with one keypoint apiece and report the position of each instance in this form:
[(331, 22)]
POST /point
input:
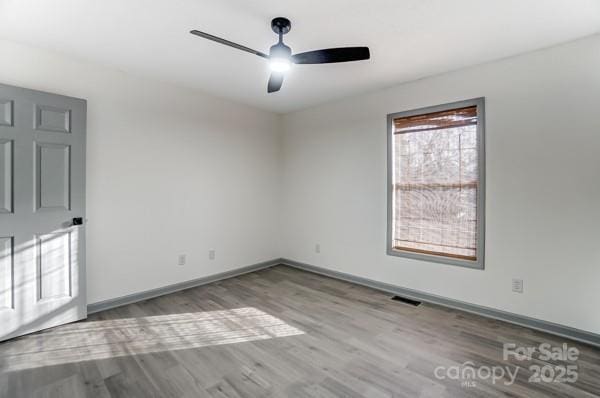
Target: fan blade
[(275, 82), (331, 55), (228, 43)]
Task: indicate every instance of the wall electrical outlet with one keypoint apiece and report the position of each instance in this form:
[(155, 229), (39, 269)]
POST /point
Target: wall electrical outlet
[(211, 254), (517, 285), (318, 248), (181, 259)]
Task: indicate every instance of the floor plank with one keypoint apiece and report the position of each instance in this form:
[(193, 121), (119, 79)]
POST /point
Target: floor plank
[(280, 332)]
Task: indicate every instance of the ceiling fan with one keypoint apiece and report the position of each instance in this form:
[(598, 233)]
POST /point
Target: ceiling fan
[(280, 56)]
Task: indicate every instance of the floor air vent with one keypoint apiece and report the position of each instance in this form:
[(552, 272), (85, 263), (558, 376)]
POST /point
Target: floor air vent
[(406, 300)]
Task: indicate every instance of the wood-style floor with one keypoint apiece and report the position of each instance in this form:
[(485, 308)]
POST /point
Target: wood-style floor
[(279, 332)]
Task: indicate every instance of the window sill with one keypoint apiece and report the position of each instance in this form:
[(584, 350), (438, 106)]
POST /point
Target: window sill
[(472, 264)]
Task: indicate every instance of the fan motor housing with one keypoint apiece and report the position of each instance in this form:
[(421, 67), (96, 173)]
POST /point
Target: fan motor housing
[(281, 25), (280, 50)]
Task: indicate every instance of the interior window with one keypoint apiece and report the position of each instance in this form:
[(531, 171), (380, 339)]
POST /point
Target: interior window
[(436, 188)]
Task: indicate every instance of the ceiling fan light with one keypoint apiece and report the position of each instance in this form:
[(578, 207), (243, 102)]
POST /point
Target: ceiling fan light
[(279, 64), (280, 55)]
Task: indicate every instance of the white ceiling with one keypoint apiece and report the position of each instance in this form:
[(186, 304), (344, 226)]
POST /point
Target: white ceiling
[(409, 39)]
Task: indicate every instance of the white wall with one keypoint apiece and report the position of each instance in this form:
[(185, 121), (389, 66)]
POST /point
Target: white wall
[(543, 185), (169, 171), (173, 171)]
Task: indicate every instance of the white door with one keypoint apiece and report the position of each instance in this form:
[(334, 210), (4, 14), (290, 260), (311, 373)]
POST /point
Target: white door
[(42, 209)]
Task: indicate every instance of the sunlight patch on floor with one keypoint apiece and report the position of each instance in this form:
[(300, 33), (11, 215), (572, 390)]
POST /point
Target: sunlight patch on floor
[(104, 339)]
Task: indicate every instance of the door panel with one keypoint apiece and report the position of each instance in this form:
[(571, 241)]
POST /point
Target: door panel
[(6, 273), (53, 119), (42, 188), (53, 255), (6, 176), (52, 176), (6, 112)]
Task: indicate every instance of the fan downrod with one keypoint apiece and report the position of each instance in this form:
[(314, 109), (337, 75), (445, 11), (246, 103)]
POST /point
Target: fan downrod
[(281, 25)]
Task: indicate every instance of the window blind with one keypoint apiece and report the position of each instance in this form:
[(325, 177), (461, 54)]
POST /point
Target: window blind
[(435, 183)]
